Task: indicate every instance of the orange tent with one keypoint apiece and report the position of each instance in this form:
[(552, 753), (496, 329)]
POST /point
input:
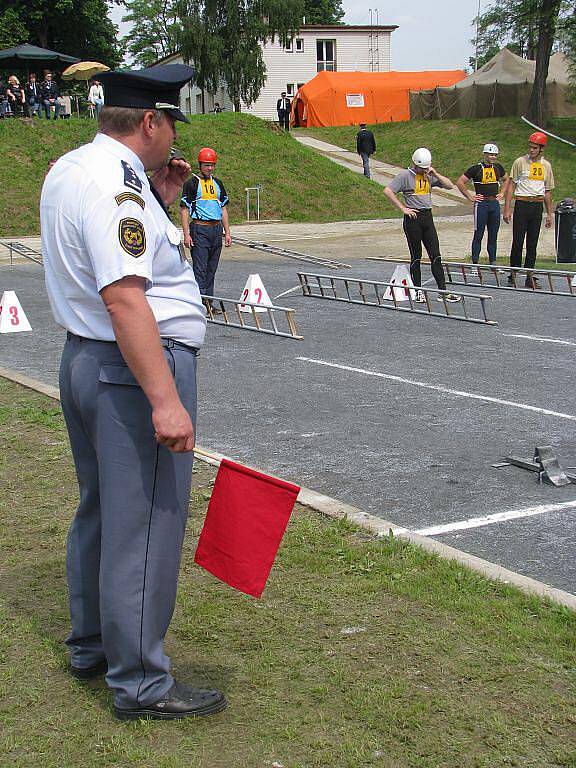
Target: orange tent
[(349, 98)]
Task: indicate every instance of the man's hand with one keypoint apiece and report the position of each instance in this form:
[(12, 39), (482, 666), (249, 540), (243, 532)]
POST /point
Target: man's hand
[(477, 198), (173, 428), (188, 240), (169, 180), (227, 239), (507, 216), (413, 214), (548, 222)]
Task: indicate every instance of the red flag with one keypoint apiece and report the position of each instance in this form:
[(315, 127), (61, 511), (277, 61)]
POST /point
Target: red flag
[(246, 519)]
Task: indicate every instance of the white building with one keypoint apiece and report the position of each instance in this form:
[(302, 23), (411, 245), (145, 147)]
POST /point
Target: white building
[(317, 47)]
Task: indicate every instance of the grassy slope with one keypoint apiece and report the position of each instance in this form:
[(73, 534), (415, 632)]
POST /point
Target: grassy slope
[(449, 670), (456, 144), (299, 185)]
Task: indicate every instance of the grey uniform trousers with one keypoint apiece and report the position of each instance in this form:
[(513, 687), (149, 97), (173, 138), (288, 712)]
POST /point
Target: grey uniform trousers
[(124, 544)]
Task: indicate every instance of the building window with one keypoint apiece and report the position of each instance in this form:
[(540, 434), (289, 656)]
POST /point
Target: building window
[(326, 55), (288, 46), (299, 44), (290, 89)]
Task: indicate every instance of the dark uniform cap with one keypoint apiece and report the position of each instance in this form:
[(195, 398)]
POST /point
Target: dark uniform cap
[(151, 88)]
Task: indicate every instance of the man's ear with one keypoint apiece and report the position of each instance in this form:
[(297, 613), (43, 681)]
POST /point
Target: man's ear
[(149, 122)]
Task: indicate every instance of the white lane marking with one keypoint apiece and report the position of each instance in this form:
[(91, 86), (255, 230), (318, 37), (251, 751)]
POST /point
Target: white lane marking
[(499, 517), (436, 388), (539, 338)]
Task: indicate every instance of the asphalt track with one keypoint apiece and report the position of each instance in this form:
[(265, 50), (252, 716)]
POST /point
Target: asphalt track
[(399, 415)]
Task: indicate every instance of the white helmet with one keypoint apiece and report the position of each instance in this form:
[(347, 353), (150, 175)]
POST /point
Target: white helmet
[(491, 149), (422, 158)]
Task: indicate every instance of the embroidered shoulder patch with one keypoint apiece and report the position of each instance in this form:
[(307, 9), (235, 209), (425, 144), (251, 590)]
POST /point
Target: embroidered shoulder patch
[(131, 178), (132, 237), (124, 196)]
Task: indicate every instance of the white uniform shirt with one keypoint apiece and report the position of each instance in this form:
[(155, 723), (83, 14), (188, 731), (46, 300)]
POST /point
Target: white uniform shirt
[(100, 222)]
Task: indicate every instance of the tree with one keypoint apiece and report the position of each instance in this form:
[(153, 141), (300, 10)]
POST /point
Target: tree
[(223, 40), (513, 24), (323, 11), (547, 18), (530, 29), (77, 27), (12, 30), (154, 32)]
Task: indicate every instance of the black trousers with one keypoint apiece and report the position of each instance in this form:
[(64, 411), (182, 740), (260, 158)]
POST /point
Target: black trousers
[(422, 230), (526, 223)]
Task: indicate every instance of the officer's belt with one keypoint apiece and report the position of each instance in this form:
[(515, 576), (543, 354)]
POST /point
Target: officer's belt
[(206, 223), (166, 343)]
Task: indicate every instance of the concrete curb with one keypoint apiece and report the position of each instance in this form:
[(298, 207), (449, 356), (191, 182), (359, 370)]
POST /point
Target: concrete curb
[(335, 509)]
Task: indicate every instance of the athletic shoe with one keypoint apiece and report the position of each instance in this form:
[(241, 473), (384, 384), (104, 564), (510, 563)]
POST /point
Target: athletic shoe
[(420, 297), (451, 297), (511, 280), (532, 282)]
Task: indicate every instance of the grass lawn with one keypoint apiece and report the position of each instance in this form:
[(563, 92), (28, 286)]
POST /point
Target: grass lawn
[(362, 652), (457, 144), (298, 184)]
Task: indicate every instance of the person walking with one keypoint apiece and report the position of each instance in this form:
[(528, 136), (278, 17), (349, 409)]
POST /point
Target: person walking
[(118, 285), (283, 106), (204, 219), (531, 184), (488, 175), (415, 184), (365, 146)]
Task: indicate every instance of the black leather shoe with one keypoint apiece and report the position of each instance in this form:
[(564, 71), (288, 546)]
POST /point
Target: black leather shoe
[(180, 701), (89, 673)]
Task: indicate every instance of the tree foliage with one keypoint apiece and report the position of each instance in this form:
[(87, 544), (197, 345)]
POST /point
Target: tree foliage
[(154, 33), (515, 24), (323, 11), (223, 40), (76, 27)]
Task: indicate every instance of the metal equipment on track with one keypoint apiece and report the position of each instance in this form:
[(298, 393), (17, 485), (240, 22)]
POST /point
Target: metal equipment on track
[(272, 320), (297, 255), (553, 282), (371, 293), (24, 251)]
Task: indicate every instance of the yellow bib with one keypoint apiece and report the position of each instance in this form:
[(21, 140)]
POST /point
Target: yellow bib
[(536, 172), (421, 185), (208, 189), (489, 175)]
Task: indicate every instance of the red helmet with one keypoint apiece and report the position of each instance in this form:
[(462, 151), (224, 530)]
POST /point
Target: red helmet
[(207, 155), (538, 138)]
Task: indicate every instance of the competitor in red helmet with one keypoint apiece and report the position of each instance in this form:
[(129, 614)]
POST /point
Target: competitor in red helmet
[(531, 183), (204, 218)]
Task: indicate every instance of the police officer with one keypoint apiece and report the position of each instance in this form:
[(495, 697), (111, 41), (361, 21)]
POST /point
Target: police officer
[(204, 217), (118, 284), (487, 176), (531, 184), (415, 184)]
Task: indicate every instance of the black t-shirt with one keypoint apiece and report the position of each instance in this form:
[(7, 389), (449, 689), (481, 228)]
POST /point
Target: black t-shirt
[(486, 178)]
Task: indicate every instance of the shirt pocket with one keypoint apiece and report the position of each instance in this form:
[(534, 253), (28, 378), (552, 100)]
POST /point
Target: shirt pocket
[(174, 237)]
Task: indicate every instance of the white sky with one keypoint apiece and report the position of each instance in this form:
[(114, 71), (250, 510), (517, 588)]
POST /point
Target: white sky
[(431, 34)]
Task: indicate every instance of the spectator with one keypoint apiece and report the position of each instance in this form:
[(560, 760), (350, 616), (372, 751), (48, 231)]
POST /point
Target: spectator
[(49, 94), (283, 109), (15, 94), (217, 108), (3, 100), (33, 96), (96, 96), (365, 146), (65, 104)]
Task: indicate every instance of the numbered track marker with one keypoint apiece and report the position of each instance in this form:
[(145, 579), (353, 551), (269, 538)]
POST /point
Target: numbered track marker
[(12, 317), (403, 280), (255, 293)]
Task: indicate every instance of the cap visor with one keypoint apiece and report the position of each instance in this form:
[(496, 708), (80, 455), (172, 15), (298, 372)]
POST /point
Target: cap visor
[(177, 115)]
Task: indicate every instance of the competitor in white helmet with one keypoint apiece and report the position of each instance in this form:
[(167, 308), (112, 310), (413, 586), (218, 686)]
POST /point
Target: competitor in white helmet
[(415, 184), (487, 176)]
